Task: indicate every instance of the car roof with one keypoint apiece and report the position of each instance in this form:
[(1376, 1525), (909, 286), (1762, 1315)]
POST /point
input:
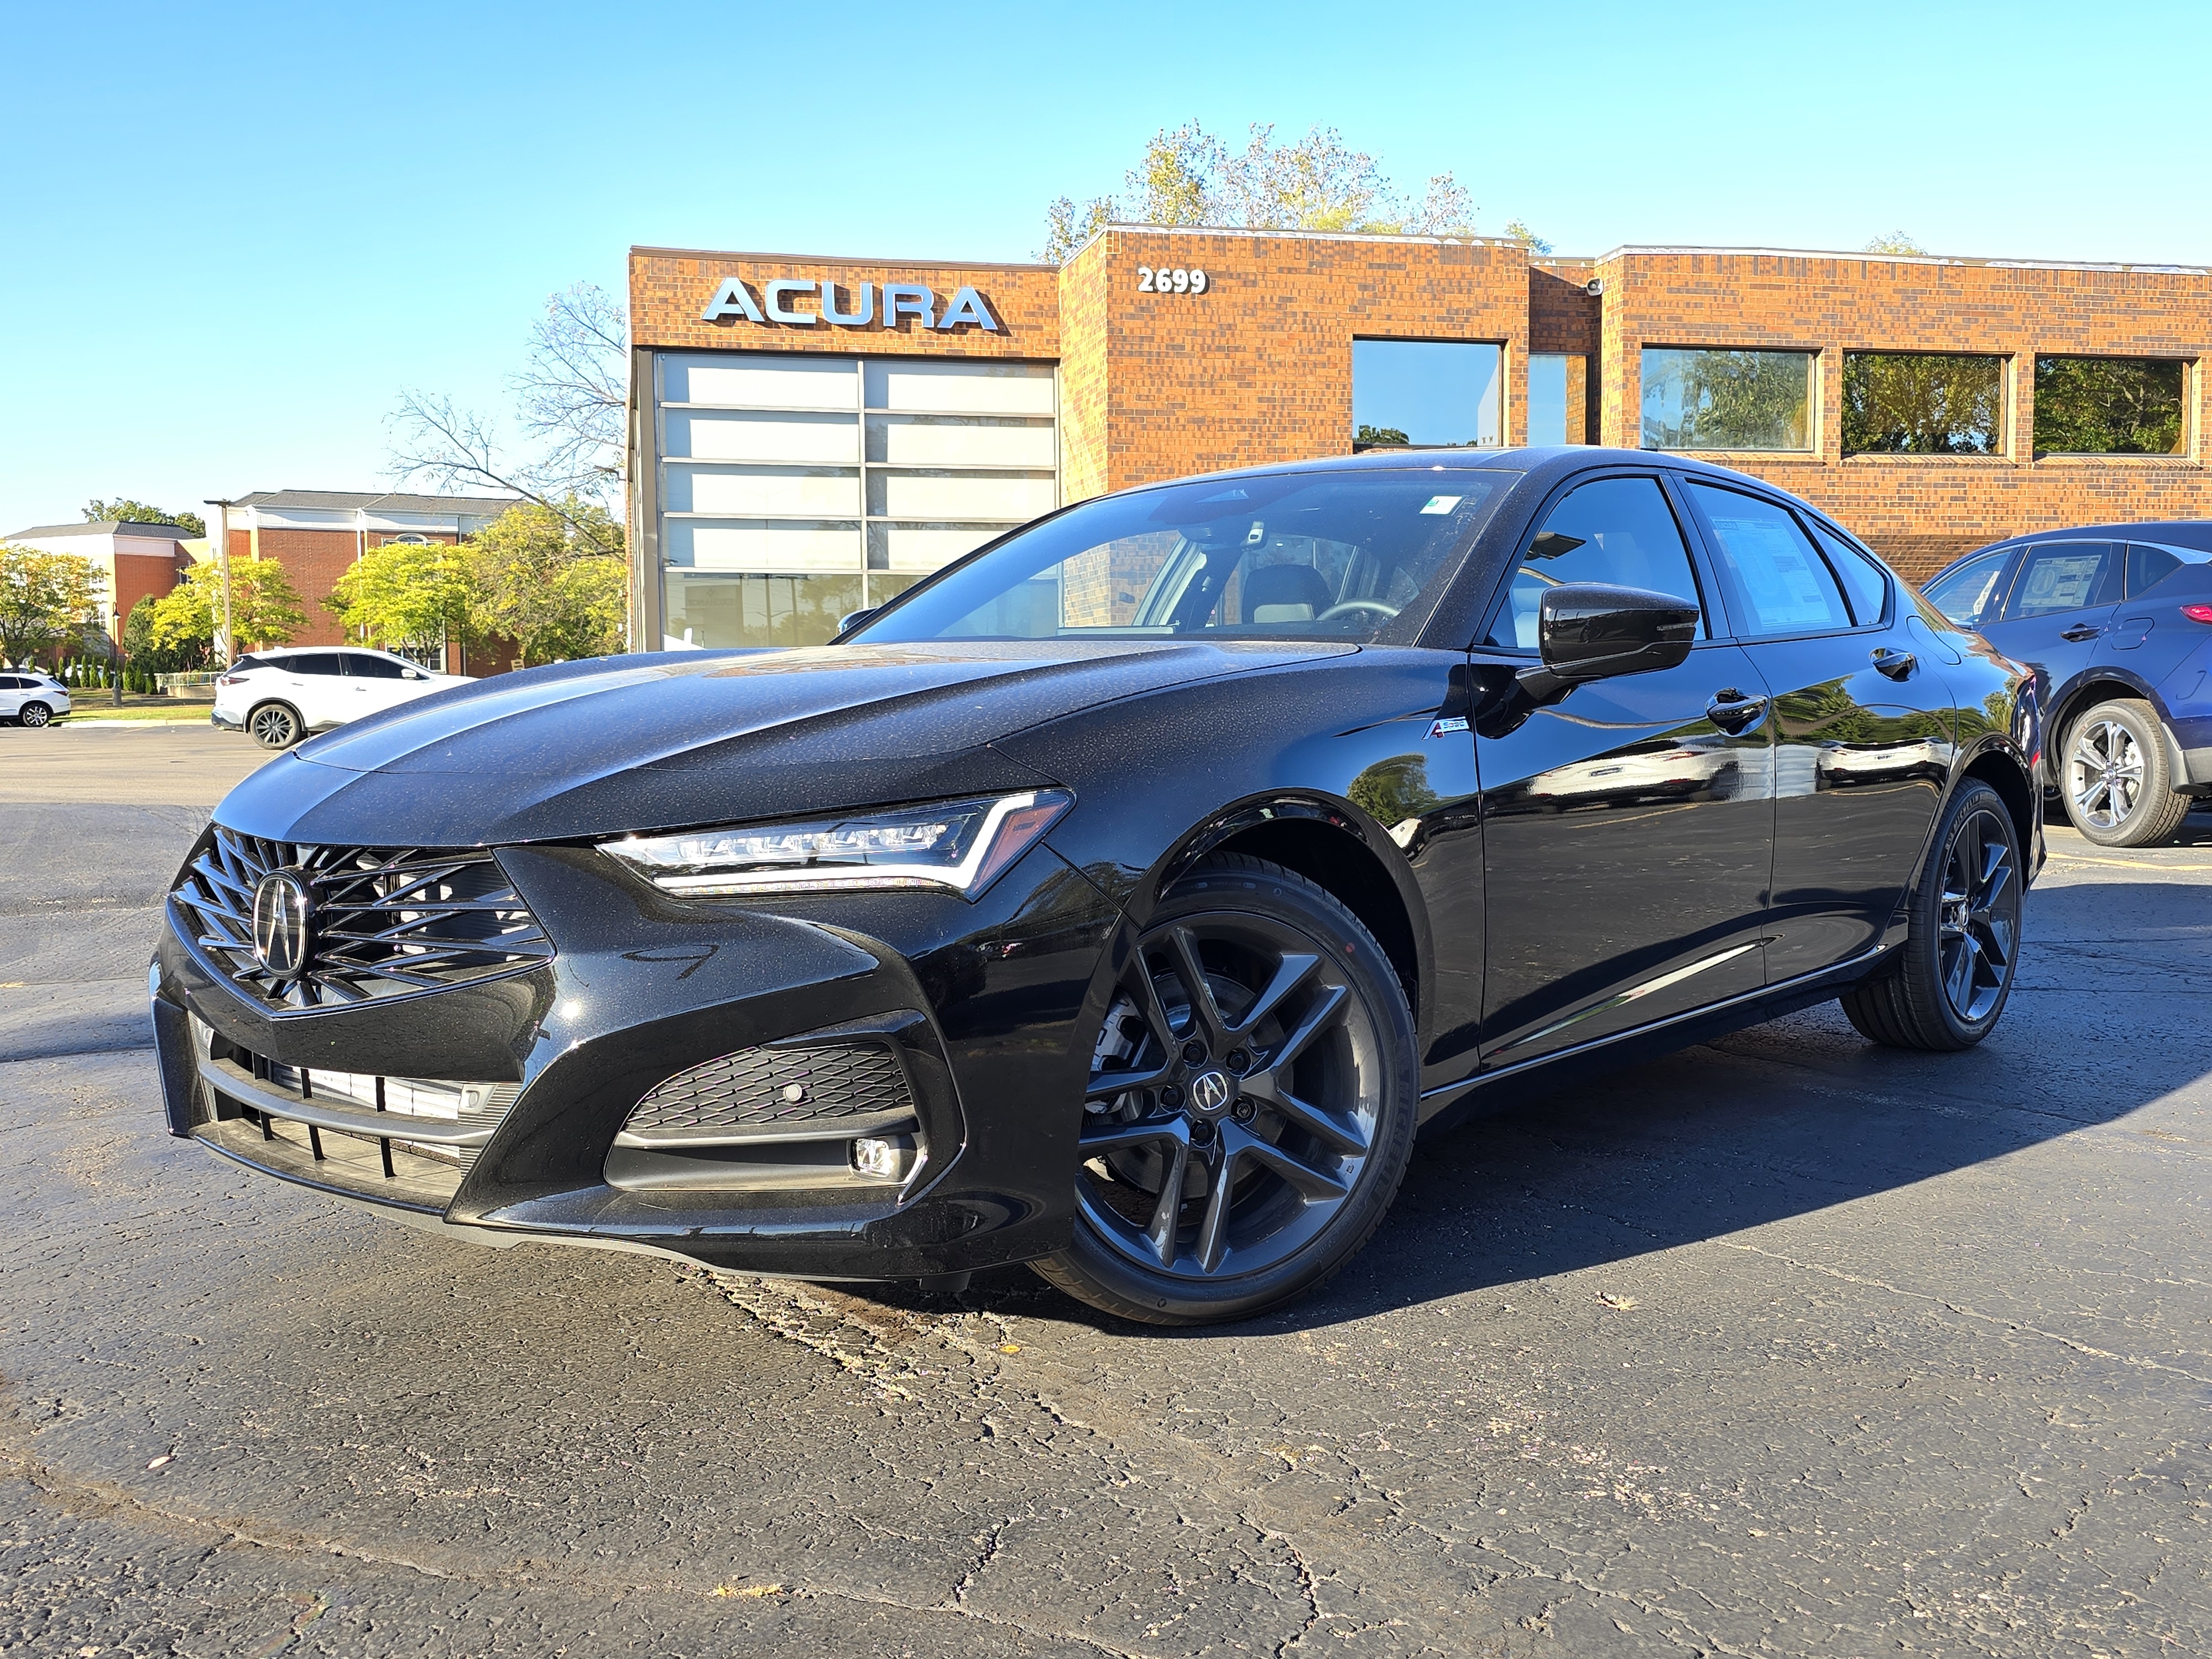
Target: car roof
[(2193, 534)]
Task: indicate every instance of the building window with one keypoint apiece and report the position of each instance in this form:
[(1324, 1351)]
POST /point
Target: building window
[(1443, 393), (796, 488), (2109, 406), (1727, 399), (1558, 394), (1923, 403)]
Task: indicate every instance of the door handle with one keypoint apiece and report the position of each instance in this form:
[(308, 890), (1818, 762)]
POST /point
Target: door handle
[(1733, 711), (2079, 632), (1898, 664)]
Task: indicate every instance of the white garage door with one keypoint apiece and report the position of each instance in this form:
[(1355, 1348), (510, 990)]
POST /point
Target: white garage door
[(794, 489)]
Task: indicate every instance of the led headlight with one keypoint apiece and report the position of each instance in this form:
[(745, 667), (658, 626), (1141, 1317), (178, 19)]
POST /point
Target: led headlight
[(963, 845)]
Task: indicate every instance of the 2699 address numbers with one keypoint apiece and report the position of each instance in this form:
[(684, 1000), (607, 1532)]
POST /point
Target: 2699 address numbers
[(1177, 281)]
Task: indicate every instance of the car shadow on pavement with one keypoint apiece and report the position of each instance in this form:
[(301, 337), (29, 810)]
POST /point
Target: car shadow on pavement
[(1781, 1120)]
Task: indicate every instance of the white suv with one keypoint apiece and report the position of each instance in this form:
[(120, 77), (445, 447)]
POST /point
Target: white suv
[(29, 697), (282, 696)]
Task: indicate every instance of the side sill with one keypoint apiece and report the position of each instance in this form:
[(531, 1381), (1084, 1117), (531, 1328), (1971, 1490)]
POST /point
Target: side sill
[(1747, 1009)]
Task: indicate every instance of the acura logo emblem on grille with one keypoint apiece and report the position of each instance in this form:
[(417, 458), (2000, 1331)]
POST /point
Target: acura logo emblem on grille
[(281, 909)]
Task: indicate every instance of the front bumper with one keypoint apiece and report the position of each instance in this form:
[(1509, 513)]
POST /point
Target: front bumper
[(982, 1005)]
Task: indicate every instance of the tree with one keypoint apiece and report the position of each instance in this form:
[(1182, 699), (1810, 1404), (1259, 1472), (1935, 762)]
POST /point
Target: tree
[(1894, 242), (264, 606), (542, 579), (417, 594), (45, 597), (130, 511), (1515, 231), (1190, 177), (572, 397), (143, 653)]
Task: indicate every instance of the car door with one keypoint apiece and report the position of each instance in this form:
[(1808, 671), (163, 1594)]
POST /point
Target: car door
[(2060, 601), (310, 682), (11, 695), (1863, 723), (1627, 831), (373, 682)]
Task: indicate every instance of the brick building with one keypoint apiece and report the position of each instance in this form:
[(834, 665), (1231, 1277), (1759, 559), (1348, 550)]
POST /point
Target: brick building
[(810, 435), (135, 561), (315, 534)]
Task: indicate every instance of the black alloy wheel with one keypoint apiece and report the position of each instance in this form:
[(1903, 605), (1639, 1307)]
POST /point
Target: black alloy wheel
[(1946, 986), (1251, 1104), (274, 725), (34, 713), (2118, 778)]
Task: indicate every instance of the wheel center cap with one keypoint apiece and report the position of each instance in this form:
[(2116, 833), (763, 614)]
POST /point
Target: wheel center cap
[(1210, 1091)]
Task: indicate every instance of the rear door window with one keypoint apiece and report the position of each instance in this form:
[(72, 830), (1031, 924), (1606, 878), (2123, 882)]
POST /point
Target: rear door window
[(1782, 584), (310, 662), (2063, 576), (2148, 567), (1866, 584), (1616, 531)]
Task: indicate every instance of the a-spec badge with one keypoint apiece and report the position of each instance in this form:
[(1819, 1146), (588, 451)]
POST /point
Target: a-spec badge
[(1445, 728), (283, 916)]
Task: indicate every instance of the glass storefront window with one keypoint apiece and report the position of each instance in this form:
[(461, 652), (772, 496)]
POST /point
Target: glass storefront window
[(1547, 398), (1720, 398), (2110, 406), (1445, 392), (796, 488), (1923, 403)]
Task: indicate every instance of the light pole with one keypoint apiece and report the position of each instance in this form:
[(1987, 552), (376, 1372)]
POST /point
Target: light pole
[(223, 558), (115, 655)]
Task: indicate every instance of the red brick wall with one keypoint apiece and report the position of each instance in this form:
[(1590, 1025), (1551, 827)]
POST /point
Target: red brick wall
[(1922, 510), (145, 576), (1258, 368), (314, 560)]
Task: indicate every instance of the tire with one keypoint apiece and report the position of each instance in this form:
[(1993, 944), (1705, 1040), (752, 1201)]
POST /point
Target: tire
[(1945, 989), (2115, 776), (1279, 1110), (275, 725), (34, 713)]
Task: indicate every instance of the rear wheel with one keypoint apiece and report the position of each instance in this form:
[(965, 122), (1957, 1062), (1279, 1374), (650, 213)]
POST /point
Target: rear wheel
[(1251, 1104), (2117, 779), (1946, 986), (34, 713), (274, 725)]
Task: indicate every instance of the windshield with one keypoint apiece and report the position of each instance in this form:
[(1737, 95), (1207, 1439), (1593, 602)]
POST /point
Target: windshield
[(1330, 555)]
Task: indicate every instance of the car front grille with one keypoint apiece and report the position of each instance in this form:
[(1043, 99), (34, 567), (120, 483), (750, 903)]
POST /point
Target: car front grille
[(776, 1093), (383, 922)]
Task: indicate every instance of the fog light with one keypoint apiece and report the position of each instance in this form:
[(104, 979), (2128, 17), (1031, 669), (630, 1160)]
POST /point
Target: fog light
[(886, 1158)]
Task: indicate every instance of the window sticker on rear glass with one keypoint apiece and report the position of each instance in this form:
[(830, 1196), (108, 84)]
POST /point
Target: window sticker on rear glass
[(1441, 503)]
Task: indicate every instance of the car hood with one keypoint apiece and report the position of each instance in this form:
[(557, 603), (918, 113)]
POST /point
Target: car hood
[(692, 737)]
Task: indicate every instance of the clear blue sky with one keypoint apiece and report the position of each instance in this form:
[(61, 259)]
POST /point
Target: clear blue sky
[(235, 233)]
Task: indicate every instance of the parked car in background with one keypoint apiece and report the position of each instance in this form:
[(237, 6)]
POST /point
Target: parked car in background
[(29, 697), (2117, 621), (280, 696)]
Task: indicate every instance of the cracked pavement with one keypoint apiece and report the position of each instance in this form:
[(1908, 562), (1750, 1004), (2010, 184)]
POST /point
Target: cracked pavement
[(1784, 1345)]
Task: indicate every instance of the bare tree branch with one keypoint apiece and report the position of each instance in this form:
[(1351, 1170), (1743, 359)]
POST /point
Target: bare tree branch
[(574, 394), (455, 449)]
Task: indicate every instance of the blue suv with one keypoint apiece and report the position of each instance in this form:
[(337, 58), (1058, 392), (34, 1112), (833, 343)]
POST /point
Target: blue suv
[(2116, 619)]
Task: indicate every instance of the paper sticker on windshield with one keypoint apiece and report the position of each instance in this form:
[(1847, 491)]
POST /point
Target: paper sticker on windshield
[(1257, 534), (1441, 503)]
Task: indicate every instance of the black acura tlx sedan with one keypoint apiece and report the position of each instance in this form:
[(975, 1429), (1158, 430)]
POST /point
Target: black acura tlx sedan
[(1122, 898)]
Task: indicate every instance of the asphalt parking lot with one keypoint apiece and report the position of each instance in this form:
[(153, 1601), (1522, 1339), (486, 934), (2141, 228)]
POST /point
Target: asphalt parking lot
[(1784, 1345)]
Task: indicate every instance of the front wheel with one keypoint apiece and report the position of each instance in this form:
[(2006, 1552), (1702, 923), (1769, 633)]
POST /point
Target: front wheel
[(1251, 1104), (1946, 986), (2117, 779), (274, 725)]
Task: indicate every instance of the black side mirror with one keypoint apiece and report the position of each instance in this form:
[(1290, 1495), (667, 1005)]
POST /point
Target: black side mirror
[(1592, 631), (854, 619)]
